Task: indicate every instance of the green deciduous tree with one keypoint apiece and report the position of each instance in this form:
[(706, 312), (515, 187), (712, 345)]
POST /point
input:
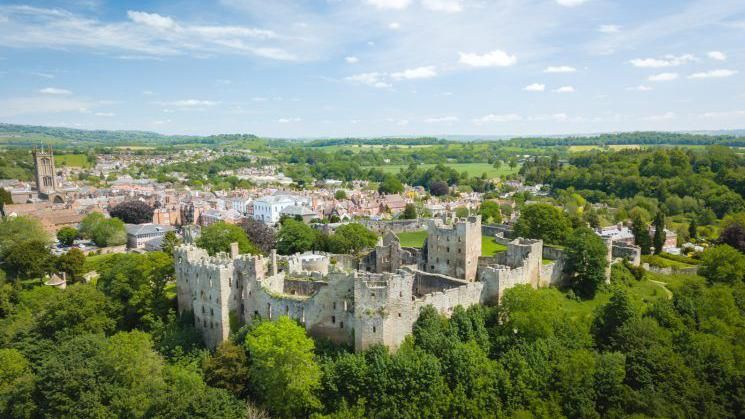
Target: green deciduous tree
[(133, 212), (228, 369), (296, 236), (722, 263), (67, 236), (490, 212), (217, 237), (28, 259), (586, 261), (640, 229), (610, 317), (283, 371), (16, 385), (72, 263), (545, 222), (390, 185), (409, 212), (351, 238)]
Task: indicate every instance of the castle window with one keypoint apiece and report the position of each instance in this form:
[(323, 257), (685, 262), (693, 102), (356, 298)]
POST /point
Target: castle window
[(448, 261), (269, 310), (204, 322), (334, 305), (203, 310), (459, 250), (333, 319), (179, 259), (448, 249), (212, 312), (341, 325), (399, 314), (400, 293), (287, 310), (345, 305), (374, 329), (230, 282)]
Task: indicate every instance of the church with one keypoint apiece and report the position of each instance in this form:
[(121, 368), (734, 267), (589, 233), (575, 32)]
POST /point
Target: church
[(48, 186)]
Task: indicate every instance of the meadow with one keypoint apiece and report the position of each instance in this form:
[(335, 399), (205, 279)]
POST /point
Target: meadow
[(473, 169)]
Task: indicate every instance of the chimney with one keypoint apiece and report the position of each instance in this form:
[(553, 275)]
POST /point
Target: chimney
[(234, 250), (273, 254)]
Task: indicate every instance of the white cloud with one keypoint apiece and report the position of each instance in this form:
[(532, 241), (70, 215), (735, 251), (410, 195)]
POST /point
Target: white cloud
[(43, 75), (565, 89), (726, 114), (447, 6), (147, 92), (535, 87), (441, 119), (55, 91), (427, 72), (717, 55), (190, 103), (496, 58), (559, 69), (661, 117), (497, 118), (663, 77), (570, 3), (639, 88), (141, 36), (153, 20), (42, 105), (713, 74), (105, 114), (373, 79), (609, 29), (666, 61), (390, 4), (288, 120), (394, 26), (352, 60)]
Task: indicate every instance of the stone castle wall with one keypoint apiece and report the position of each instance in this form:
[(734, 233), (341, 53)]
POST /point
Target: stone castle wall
[(454, 250)]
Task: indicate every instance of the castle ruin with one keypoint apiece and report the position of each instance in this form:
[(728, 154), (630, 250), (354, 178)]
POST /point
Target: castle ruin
[(373, 300)]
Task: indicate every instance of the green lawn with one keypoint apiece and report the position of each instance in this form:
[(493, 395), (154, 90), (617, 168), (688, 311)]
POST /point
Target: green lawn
[(473, 169), (412, 239), (71, 160), (416, 239)]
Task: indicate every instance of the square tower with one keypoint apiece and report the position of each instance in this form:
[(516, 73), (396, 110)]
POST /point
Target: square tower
[(44, 170), (454, 249)]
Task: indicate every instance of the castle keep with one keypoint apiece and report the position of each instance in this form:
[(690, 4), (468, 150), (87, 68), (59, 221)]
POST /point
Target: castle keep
[(374, 300)]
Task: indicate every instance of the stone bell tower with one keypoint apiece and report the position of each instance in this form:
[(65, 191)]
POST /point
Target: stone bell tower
[(44, 170)]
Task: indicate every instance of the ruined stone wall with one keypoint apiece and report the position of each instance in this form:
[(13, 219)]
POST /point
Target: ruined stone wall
[(492, 230), (626, 251), (426, 283), (384, 311), (395, 226)]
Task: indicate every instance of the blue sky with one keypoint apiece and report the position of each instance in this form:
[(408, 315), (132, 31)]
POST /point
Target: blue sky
[(374, 67)]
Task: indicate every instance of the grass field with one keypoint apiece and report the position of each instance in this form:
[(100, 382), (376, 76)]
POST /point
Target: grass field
[(71, 160), (473, 169), (416, 239)]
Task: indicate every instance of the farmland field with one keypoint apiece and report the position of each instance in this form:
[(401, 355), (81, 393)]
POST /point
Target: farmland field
[(473, 169), (71, 160)]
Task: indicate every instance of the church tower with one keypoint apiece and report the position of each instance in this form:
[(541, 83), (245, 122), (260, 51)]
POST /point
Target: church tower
[(44, 170)]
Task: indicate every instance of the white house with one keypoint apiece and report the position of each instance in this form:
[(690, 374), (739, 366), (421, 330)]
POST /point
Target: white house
[(268, 209)]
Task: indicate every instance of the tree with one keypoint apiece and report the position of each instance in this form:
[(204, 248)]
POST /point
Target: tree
[(390, 185), (135, 285), (283, 370), (409, 212), (170, 242), (133, 212), (490, 212), (28, 259), (103, 231), (14, 230), (217, 238), (5, 197), (586, 261), (228, 369), (16, 385), (352, 238), (545, 222), (72, 263), (610, 317), (340, 194), (659, 232), (67, 236), (296, 237), (439, 188), (260, 234), (640, 229), (722, 263), (79, 310), (693, 229), (734, 235)]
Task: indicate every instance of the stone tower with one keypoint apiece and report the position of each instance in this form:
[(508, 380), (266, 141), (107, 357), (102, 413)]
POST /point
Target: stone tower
[(454, 249), (44, 170)]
